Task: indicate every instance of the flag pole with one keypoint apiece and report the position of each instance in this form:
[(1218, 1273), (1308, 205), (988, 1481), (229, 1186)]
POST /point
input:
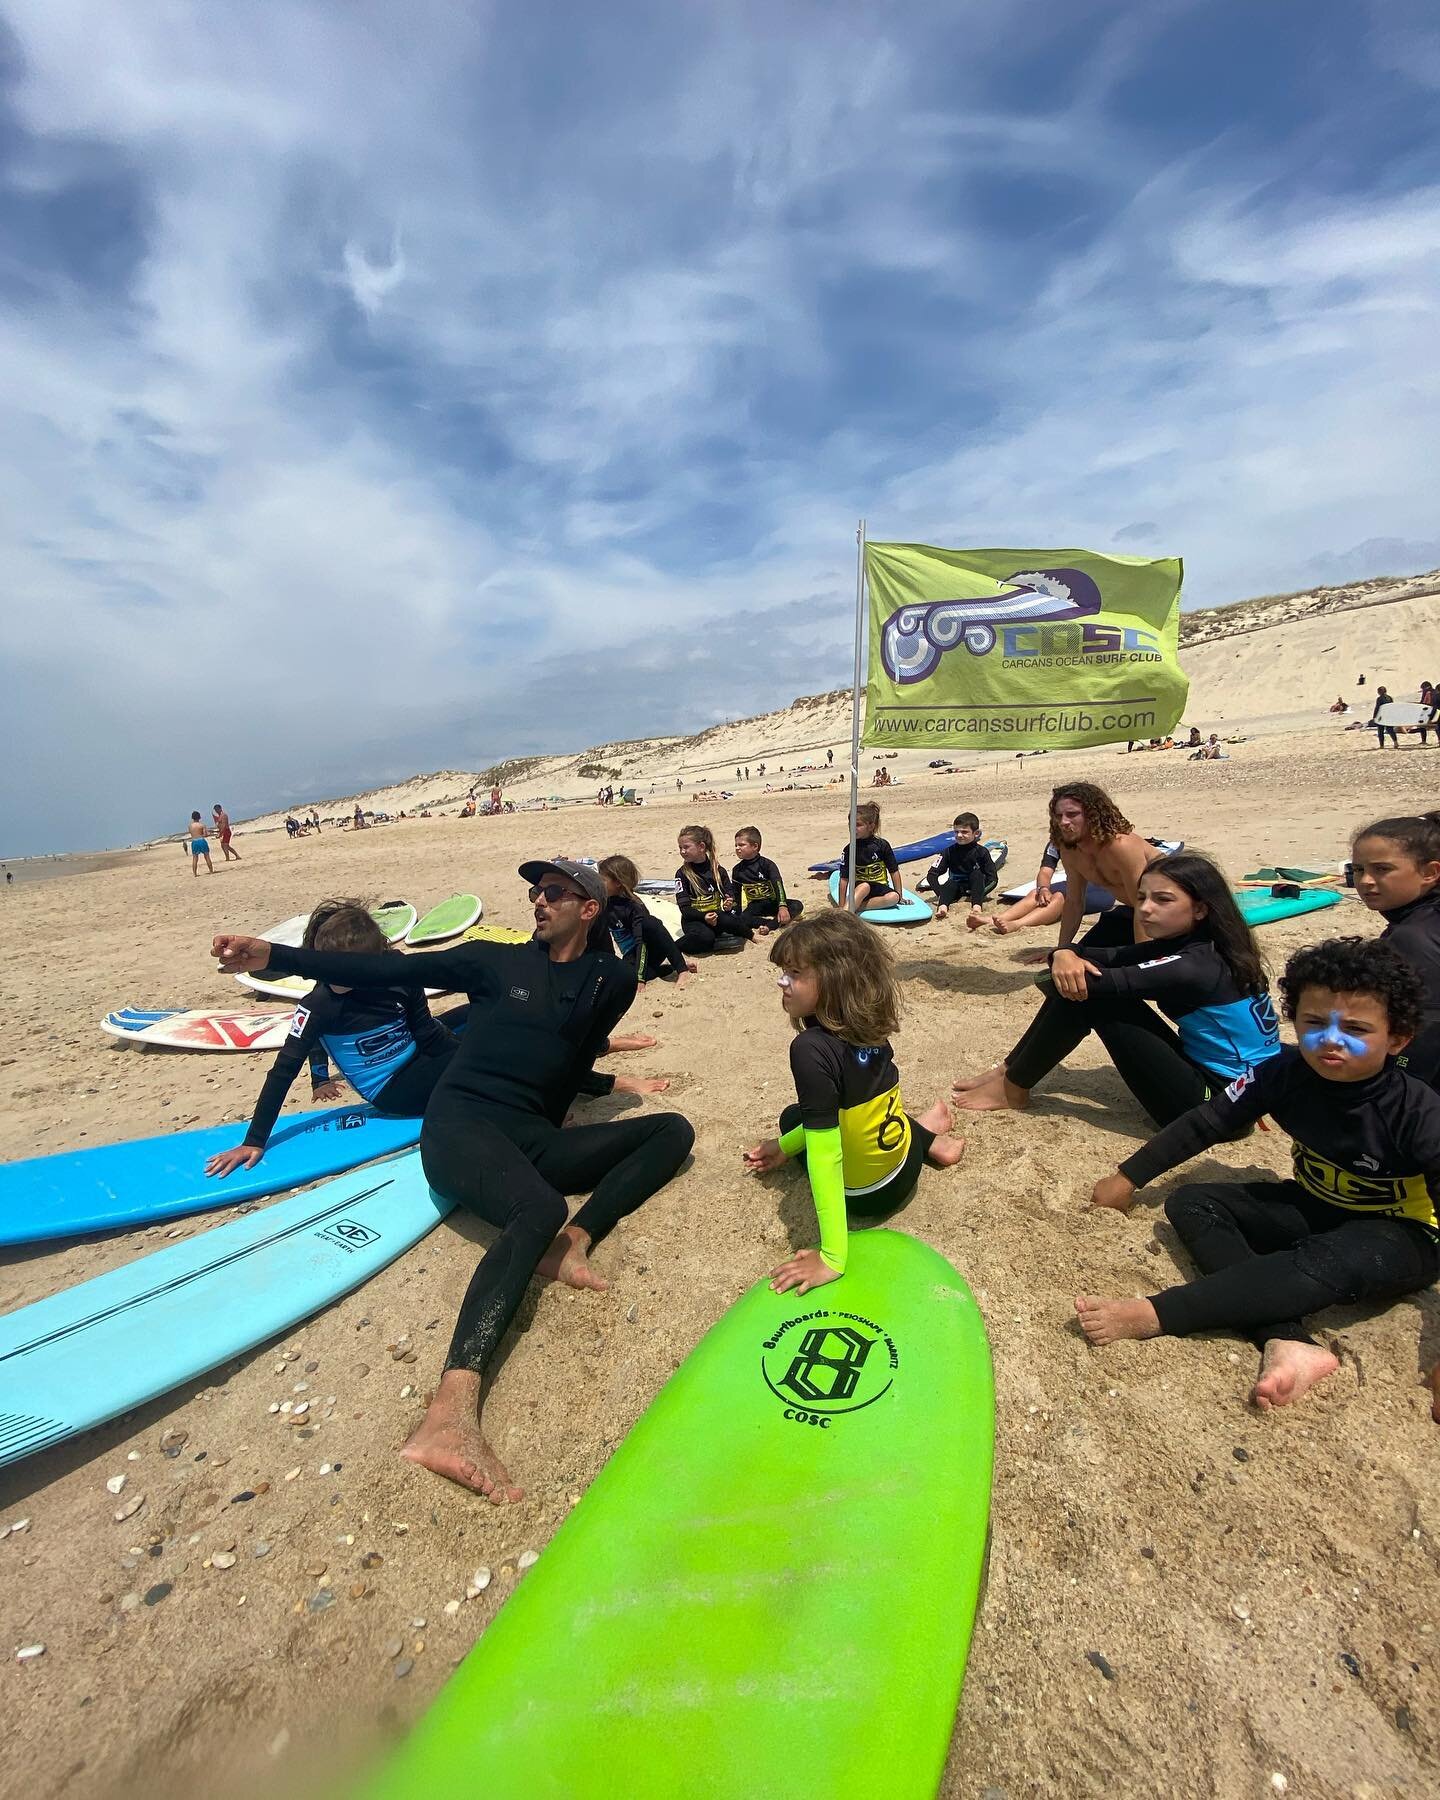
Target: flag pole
[(855, 706)]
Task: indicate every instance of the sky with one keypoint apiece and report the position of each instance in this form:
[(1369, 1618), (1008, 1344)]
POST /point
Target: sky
[(388, 388)]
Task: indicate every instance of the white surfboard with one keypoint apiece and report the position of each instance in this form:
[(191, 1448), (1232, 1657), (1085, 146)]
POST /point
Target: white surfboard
[(1401, 713), (281, 987)]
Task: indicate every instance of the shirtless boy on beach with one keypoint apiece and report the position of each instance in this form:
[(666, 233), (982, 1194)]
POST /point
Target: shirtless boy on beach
[(199, 844), (222, 825)]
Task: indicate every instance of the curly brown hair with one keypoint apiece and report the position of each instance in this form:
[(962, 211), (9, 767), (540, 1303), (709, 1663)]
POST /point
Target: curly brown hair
[(1103, 818), (859, 994), (343, 925)]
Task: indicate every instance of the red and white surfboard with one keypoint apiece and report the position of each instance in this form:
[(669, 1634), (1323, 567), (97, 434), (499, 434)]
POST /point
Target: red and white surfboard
[(202, 1030)]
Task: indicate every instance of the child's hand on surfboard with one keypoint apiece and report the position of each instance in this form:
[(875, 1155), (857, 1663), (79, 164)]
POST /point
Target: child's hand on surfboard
[(806, 1269), (225, 1162), (240, 955)]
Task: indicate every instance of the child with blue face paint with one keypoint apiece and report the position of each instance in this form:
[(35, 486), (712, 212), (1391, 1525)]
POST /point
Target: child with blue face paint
[(1357, 1219)]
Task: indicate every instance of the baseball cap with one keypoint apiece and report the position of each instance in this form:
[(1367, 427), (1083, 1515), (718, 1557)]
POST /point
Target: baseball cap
[(586, 878)]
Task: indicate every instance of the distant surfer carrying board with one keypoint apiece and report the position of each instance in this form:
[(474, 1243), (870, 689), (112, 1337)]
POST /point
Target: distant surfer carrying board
[(492, 1142)]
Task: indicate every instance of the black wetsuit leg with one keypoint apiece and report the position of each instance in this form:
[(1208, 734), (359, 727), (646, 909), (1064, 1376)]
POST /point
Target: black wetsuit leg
[(948, 888), (407, 1093), (1112, 928), (1145, 1051), (661, 950), (513, 1170), (1269, 1253), (700, 940)]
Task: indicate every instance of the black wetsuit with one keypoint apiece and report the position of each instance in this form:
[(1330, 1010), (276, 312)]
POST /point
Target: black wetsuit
[(874, 863), (1222, 1031), (1414, 931), (641, 939), (1356, 1222), (702, 909), (383, 1042), (760, 891), (962, 869), (492, 1139), (1380, 730)]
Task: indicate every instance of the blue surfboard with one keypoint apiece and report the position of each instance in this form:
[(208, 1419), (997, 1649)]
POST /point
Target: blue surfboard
[(1261, 907), (106, 1345), (923, 847), (114, 1187), (912, 910)]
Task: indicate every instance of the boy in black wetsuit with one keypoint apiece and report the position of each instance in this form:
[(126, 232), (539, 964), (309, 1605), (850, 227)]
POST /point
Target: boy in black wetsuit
[(965, 868), (1357, 1219), (759, 885)]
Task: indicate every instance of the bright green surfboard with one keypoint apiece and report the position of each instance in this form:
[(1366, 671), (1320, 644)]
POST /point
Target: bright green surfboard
[(768, 1592), (446, 920), (394, 917)]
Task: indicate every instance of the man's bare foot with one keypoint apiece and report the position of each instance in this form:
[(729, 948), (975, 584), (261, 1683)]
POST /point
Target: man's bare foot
[(996, 1094), (1108, 1321), (1289, 1369), (567, 1261), (636, 1040), (1002, 927), (448, 1441), (974, 920), (963, 1083), (641, 1084)]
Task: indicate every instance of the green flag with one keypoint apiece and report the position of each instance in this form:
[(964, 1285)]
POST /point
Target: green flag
[(1020, 649)]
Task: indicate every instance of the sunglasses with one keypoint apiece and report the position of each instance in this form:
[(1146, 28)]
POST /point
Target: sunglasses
[(554, 891)]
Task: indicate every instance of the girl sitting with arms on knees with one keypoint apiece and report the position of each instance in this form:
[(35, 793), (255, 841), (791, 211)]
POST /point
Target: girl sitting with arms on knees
[(639, 936), (877, 874), (707, 897), (862, 1152), (1199, 965), (1355, 1223), (383, 1040), (1396, 864)]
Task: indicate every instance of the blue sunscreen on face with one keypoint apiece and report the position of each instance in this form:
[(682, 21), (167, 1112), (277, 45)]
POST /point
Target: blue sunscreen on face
[(1315, 1041)]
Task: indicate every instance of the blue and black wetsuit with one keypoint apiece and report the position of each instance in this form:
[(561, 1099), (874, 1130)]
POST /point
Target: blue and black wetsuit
[(492, 1140), (1220, 1032), (383, 1041), (962, 869), (641, 939)]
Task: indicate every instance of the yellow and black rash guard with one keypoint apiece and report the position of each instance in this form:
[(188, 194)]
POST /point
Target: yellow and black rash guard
[(1368, 1148), (874, 862), (701, 894), (853, 1129), (757, 878)]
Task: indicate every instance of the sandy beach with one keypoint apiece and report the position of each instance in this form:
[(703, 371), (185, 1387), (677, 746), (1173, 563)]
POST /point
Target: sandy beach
[(1184, 1597)]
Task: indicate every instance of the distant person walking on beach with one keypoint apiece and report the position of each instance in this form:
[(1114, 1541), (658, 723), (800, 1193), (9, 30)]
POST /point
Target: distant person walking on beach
[(1382, 698), (222, 825), (199, 845)]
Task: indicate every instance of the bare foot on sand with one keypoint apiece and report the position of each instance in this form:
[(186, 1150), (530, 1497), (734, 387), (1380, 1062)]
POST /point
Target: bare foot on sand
[(942, 912), (974, 920), (1001, 928), (641, 1084), (1108, 1321), (567, 1261), (964, 1083), (996, 1093), (448, 1441), (636, 1040), (945, 1150), (1289, 1369)]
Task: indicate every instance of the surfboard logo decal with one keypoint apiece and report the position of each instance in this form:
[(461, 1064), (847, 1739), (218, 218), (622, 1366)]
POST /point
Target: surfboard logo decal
[(823, 1365)]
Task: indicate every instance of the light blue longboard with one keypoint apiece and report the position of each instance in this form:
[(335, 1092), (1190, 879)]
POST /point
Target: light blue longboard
[(113, 1187), (912, 910), (106, 1345)]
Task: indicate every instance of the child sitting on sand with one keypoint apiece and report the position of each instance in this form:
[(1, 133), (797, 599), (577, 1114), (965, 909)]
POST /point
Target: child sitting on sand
[(1396, 870), (639, 936), (1199, 965), (760, 885), (964, 868), (877, 874), (383, 1040), (862, 1151), (1356, 1222), (707, 896)]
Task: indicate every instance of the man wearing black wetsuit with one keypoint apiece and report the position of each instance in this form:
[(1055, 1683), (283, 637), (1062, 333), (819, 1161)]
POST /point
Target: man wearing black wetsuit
[(492, 1141)]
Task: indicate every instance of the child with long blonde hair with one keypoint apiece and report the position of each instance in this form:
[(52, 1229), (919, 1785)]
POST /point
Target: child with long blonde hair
[(707, 897), (861, 1150)]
